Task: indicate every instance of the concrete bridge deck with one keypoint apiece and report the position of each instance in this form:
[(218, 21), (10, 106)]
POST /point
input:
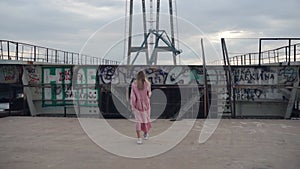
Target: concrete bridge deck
[(44, 142)]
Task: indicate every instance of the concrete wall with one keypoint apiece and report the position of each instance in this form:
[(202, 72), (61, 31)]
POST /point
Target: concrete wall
[(57, 88), (258, 91), (264, 90)]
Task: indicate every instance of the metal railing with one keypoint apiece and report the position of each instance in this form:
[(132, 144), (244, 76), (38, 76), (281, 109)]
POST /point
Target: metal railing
[(278, 55), (11, 50), (284, 54)]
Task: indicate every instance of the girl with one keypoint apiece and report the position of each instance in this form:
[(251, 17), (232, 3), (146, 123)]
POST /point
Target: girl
[(140, 105)]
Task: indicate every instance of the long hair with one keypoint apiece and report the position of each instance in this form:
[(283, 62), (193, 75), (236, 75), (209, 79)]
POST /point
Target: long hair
[(141, 80)]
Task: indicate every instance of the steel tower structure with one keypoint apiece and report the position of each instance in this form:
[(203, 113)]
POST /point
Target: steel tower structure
[(153, 35)]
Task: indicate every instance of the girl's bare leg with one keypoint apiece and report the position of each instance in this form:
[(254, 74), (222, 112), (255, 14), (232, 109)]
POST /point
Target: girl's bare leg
[(138, 134)]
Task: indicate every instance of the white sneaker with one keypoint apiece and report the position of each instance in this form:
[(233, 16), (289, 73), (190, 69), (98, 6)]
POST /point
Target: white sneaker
[(146, 136), (139, 141)]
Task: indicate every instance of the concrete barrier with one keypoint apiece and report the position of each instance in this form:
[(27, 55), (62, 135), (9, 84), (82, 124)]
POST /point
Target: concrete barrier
[(262, 91)]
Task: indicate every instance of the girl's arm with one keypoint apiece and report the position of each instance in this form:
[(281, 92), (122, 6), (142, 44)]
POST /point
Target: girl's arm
[(149, 93), (132, 98)]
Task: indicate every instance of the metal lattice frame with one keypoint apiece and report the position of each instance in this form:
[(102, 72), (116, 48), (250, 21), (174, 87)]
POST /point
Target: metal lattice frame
[(152, 33)]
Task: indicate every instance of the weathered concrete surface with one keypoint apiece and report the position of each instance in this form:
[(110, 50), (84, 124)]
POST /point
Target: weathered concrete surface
[(42, 142)]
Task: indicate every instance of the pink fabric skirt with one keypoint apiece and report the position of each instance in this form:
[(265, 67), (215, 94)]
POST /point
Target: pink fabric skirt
[(143, 121)]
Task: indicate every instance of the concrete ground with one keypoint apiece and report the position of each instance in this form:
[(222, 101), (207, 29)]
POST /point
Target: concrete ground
[(61, 143)]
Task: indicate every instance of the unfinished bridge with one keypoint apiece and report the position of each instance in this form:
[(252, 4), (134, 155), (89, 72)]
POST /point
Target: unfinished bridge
[(36, 80)]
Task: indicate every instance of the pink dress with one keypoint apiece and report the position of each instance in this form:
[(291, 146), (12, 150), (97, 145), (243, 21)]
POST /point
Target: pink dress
[(140, 104)]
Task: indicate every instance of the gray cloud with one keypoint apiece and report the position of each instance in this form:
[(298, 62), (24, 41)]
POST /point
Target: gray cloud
[(67, 24)]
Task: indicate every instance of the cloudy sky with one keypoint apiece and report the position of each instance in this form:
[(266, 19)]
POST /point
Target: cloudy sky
[(68, 24)]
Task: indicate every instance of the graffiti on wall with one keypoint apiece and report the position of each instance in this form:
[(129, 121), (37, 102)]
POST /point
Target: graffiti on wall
[(258, 77), (287, 75), (262, 94), (62, 85), (249, 94), (69, 85), (254, 76), (33, 75), (57, 84), (10, 74), (84, 90), (265, 75), (158, 75)]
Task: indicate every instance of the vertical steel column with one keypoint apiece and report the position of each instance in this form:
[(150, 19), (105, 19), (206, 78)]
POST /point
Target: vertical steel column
[(205, 100), (249, 58), (34, 53), (286, 54), (145, 30), (295, 53), (17, 51), (1, 50), (259, 53), (274, 53), (157, 27), (172, 28), (242, 63), (228, 71), (157, 14), (22, 53), (56, 55), (8, 55), (290, 41), (130, 32), (278, 56), (47, 55), (223, 50), (72, 58), (79, 59), (67, 57)]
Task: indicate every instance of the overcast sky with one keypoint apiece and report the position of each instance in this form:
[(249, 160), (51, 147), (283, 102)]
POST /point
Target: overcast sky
[(67, 24)]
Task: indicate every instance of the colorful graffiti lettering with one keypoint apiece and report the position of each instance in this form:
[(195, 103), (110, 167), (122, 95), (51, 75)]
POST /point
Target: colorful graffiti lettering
[(66, 75), (33, 75), (84, 88), (60, 90), (10, 74)]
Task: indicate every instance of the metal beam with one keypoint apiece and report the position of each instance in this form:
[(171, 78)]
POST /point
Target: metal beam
[(205, 81), (157, 28), (17, 51), (138, 49), (290, 41), (259, 52), (170, 42), (8, 52), (34, 53), (172, 28), (145, 29), (157, 14), (130, 31)]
